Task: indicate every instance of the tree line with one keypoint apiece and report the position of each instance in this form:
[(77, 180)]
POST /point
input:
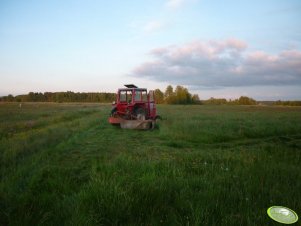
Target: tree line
[(61, 97), (243, 100), (179, 95), (288, 103)]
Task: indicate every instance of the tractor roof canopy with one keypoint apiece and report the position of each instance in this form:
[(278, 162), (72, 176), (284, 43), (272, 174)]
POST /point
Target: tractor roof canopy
[(131, 87)]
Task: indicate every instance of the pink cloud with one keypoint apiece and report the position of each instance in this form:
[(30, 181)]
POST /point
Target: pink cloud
[(221, 63)]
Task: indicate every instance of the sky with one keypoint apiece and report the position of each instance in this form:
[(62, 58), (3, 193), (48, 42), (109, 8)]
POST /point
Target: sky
[(221, 49)]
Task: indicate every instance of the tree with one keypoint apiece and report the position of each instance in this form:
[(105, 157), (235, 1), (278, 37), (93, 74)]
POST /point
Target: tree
[(246, 101), (216, 101), (169, 95), (182, 96), (195, 99), (9, 98), (159, 96), (168, 91)]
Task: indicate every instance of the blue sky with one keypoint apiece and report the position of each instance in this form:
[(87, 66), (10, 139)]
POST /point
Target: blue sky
[(215, 48)]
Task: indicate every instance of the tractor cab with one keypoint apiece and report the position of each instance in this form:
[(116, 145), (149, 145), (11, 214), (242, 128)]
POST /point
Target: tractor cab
[(134, 103)]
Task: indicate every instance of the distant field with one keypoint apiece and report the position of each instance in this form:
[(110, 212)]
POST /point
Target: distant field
[(63, 164)]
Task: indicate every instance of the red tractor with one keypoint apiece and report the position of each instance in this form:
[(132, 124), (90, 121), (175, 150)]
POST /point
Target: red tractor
[(135, 108)]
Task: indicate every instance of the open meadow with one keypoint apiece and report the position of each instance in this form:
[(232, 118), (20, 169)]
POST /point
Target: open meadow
[(64, 164)]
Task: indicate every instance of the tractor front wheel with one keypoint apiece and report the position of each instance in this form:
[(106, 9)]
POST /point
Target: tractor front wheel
[(140, 113), (113, 111)]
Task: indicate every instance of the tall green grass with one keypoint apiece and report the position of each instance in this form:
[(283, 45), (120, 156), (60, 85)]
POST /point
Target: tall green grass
[(203, 165)]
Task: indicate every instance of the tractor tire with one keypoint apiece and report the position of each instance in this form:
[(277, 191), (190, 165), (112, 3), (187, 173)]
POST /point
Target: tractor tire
[(140, 113)]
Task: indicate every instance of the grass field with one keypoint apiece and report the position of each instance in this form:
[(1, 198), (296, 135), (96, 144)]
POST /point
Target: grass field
[(63, 164)]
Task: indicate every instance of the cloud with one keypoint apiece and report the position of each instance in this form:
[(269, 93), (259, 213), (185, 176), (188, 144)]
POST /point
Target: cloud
[(224, 63), (153, 26), (175, 4)]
